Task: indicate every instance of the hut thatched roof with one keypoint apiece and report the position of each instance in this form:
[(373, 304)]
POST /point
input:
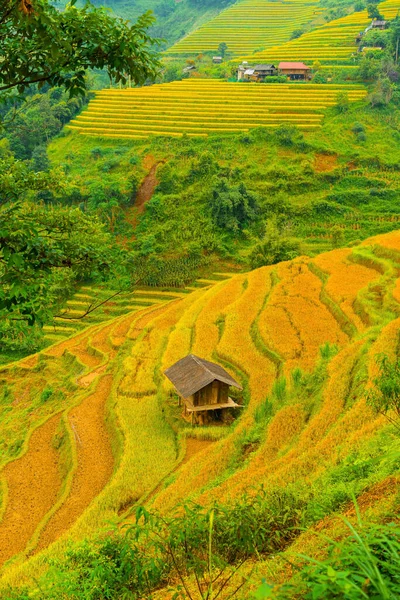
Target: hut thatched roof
[(191, 374)]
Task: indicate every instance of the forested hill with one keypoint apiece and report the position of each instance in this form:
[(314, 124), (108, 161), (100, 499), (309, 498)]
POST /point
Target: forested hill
[(175, 18)]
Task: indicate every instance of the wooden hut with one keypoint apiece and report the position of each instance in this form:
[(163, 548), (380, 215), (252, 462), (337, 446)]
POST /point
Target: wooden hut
[(263, 71), (204, 388), (380, 24), (294, 70)]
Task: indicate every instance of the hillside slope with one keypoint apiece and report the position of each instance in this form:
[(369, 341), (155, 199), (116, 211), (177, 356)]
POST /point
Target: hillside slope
[(173, 19), (331, 44), (249, 25), (207, 106), (302, 337)]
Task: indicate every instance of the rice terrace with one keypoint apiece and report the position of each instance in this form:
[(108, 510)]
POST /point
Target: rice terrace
[(200, 300)]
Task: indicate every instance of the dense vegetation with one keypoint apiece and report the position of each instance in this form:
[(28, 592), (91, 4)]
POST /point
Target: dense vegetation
[(296, 496), (216, 544), (45, 249), (301, 181)]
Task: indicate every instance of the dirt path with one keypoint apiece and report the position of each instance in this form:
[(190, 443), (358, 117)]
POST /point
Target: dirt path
[(95, 461), (147, 187), (33, 484)]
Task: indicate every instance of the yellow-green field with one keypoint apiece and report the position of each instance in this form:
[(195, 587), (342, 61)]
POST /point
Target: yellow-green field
[(201, 107), (249, 25), (95, 426), (333, 43)]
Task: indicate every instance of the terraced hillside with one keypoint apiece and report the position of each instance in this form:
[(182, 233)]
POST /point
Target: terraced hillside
[(333, 43), (249, 25), (203, 107), (73, 317), (301, 336), (72, 320)]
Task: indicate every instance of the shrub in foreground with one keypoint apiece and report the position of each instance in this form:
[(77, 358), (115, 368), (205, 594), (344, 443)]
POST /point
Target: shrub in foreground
[(363, 565)]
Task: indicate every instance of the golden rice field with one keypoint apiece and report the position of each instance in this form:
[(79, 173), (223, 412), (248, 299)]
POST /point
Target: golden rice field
[(206, 106), (249, 25), (332, 43), (100, 398)]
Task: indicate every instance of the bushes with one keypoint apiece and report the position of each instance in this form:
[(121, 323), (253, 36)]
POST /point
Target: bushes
[(260, 525), (363, 565), (288, 135), (384, 398), (233, 207), (319, 78), (210, 543), (107, 568), (275, 79), (273, 248), (342, 102)]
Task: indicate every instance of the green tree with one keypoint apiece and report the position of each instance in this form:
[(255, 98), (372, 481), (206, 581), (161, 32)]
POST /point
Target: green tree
[(316, 66), (297, 33), (342, 102), (384, 397), (40, 161), (38, 244), (40, 44), (382, 93), (222, 48), (233, 207), (395, 37), (373, 12), (44, 250), (370, 67), (273, 248), (289, 135), (359, 5)]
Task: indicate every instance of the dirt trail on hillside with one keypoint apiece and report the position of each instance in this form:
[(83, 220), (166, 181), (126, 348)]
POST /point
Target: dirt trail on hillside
[(147, 187), (95, 461), (33, 484)]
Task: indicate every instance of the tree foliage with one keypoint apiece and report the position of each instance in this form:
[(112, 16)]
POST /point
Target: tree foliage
[(342, 102), (373, 12), (233, 207), (363, 565), (40, 44), (36, 118), (44, 250), (384, 397), (273, 248)]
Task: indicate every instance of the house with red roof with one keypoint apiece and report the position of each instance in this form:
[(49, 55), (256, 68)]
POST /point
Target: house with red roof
[(295, 71)]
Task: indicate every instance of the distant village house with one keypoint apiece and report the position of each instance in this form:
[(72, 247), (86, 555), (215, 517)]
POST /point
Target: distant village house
[(295, 71), (244, 72), (380, 24), (256, 73), (263, 71), (217, 60), (204, 388), (376, 24), (189, 69)]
